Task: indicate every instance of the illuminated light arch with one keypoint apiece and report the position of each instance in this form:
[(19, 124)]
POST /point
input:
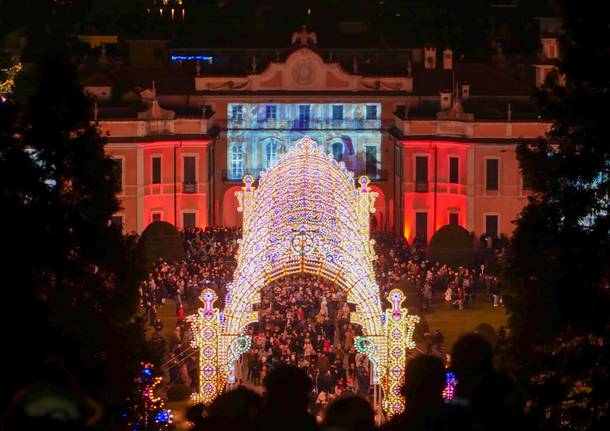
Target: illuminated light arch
[(306, 215)]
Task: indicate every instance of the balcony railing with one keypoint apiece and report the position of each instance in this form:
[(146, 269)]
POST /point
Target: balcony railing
[(303, 124), (421, 186), (228, 175), (189, 187)]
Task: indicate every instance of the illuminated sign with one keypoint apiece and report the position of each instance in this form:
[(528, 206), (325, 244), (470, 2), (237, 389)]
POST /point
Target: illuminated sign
[(207, 58)]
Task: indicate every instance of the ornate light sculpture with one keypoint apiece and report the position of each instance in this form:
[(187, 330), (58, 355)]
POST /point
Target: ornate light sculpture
[(307, 215)]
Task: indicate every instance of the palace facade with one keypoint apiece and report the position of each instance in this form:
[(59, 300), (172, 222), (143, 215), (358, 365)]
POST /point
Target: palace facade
[(436, 136)]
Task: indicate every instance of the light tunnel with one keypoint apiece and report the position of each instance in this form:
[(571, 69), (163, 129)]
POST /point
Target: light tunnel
[(306, 215)]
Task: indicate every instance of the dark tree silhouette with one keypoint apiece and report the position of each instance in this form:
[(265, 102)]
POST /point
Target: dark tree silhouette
[(69, 267), (557, 266)]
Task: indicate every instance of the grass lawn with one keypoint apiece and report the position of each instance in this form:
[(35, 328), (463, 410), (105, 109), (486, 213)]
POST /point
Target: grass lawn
[(453, 322)]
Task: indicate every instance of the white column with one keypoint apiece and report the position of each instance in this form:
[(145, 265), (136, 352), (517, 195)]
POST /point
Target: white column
[(470, 188), (140, 190)]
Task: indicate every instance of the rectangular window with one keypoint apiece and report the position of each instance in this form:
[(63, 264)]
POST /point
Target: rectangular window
[(371, 112), (116, 221), (527, 183), (454, 170), (190, 172), (236, 158), (156, 216), (492, 180), (337, 112), (491, 225), (189, 182), (421, 227), (119, 173), (371, 161), (189, 219), (270, 112), (156, 170), (237, 112), (303, 121), (421, 173), (454, 218)]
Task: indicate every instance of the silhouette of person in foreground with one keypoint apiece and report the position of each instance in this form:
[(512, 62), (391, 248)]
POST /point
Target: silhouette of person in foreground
[(349, 412), (287, 394), (237, 410), (423, 389), (484, 399)]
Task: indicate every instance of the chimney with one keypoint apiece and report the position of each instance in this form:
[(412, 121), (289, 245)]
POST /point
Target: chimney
[(445, 99), (430, 57), (465, 91), (447, 59)]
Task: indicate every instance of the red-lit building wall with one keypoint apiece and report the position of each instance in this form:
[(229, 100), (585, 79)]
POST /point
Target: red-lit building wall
[(469, 197), (142, 200), (437, 197)]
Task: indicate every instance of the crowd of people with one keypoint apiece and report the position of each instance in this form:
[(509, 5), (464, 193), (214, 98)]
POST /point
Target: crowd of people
[(426, 282), (483, 399), (303, 320), (209, 262)]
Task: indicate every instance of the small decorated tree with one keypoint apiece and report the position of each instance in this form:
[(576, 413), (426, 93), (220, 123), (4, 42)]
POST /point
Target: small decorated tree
[(146, 410)]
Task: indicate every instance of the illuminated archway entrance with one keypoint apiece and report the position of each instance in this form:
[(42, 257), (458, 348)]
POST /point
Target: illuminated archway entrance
[(307, 215)]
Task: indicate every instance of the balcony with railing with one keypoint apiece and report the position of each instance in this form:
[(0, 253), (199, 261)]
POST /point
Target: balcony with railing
[(305, 124), (189, 187), (421, 186), (232, 176)]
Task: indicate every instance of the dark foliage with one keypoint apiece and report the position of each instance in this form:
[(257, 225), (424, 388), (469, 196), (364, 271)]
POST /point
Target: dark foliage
[(452, 245), (556, 269), (71, 280), (160, 240)]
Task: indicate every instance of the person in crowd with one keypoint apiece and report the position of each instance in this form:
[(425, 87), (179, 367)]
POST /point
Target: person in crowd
[(236, 410), (349, 412), (425, 409), (286, 400), (484, 399)]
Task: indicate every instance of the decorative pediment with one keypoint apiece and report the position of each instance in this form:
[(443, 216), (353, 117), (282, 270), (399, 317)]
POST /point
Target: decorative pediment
[(156, 112), (303, 70)]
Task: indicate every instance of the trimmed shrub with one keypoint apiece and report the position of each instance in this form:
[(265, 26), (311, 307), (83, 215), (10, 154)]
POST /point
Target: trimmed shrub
[(159, 240), (452, 245)]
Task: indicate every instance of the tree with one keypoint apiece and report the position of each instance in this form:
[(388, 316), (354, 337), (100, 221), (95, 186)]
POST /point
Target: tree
[(557, 265), (452, 245), (160, 240), (146, 411), (70, 267)]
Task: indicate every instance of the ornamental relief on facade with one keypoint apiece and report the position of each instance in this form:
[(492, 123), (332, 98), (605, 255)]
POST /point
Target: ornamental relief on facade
[(304, 72)]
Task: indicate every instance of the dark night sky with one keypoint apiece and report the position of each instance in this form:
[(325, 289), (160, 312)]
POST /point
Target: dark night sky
[(466, 26)]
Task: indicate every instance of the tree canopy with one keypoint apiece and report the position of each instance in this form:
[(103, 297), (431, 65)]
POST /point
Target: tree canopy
[(452, 245), (160, 240), (557, 265), (69, 267)]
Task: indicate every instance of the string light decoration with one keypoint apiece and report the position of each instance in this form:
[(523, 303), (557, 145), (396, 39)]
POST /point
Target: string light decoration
[(7, 85), (146, 411), (307, 215), (450, 384), (400, 326)]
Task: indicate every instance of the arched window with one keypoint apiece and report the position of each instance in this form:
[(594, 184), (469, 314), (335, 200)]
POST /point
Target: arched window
[(337, 149), (237, 162), (271, 152)]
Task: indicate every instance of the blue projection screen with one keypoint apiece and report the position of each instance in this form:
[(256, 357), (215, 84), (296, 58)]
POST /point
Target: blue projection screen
[(258, 133)]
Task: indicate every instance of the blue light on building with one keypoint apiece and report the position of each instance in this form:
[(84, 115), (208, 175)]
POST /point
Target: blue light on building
[(178, 58)]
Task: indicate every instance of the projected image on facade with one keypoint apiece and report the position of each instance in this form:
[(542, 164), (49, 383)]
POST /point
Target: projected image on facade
[(258, 133)]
